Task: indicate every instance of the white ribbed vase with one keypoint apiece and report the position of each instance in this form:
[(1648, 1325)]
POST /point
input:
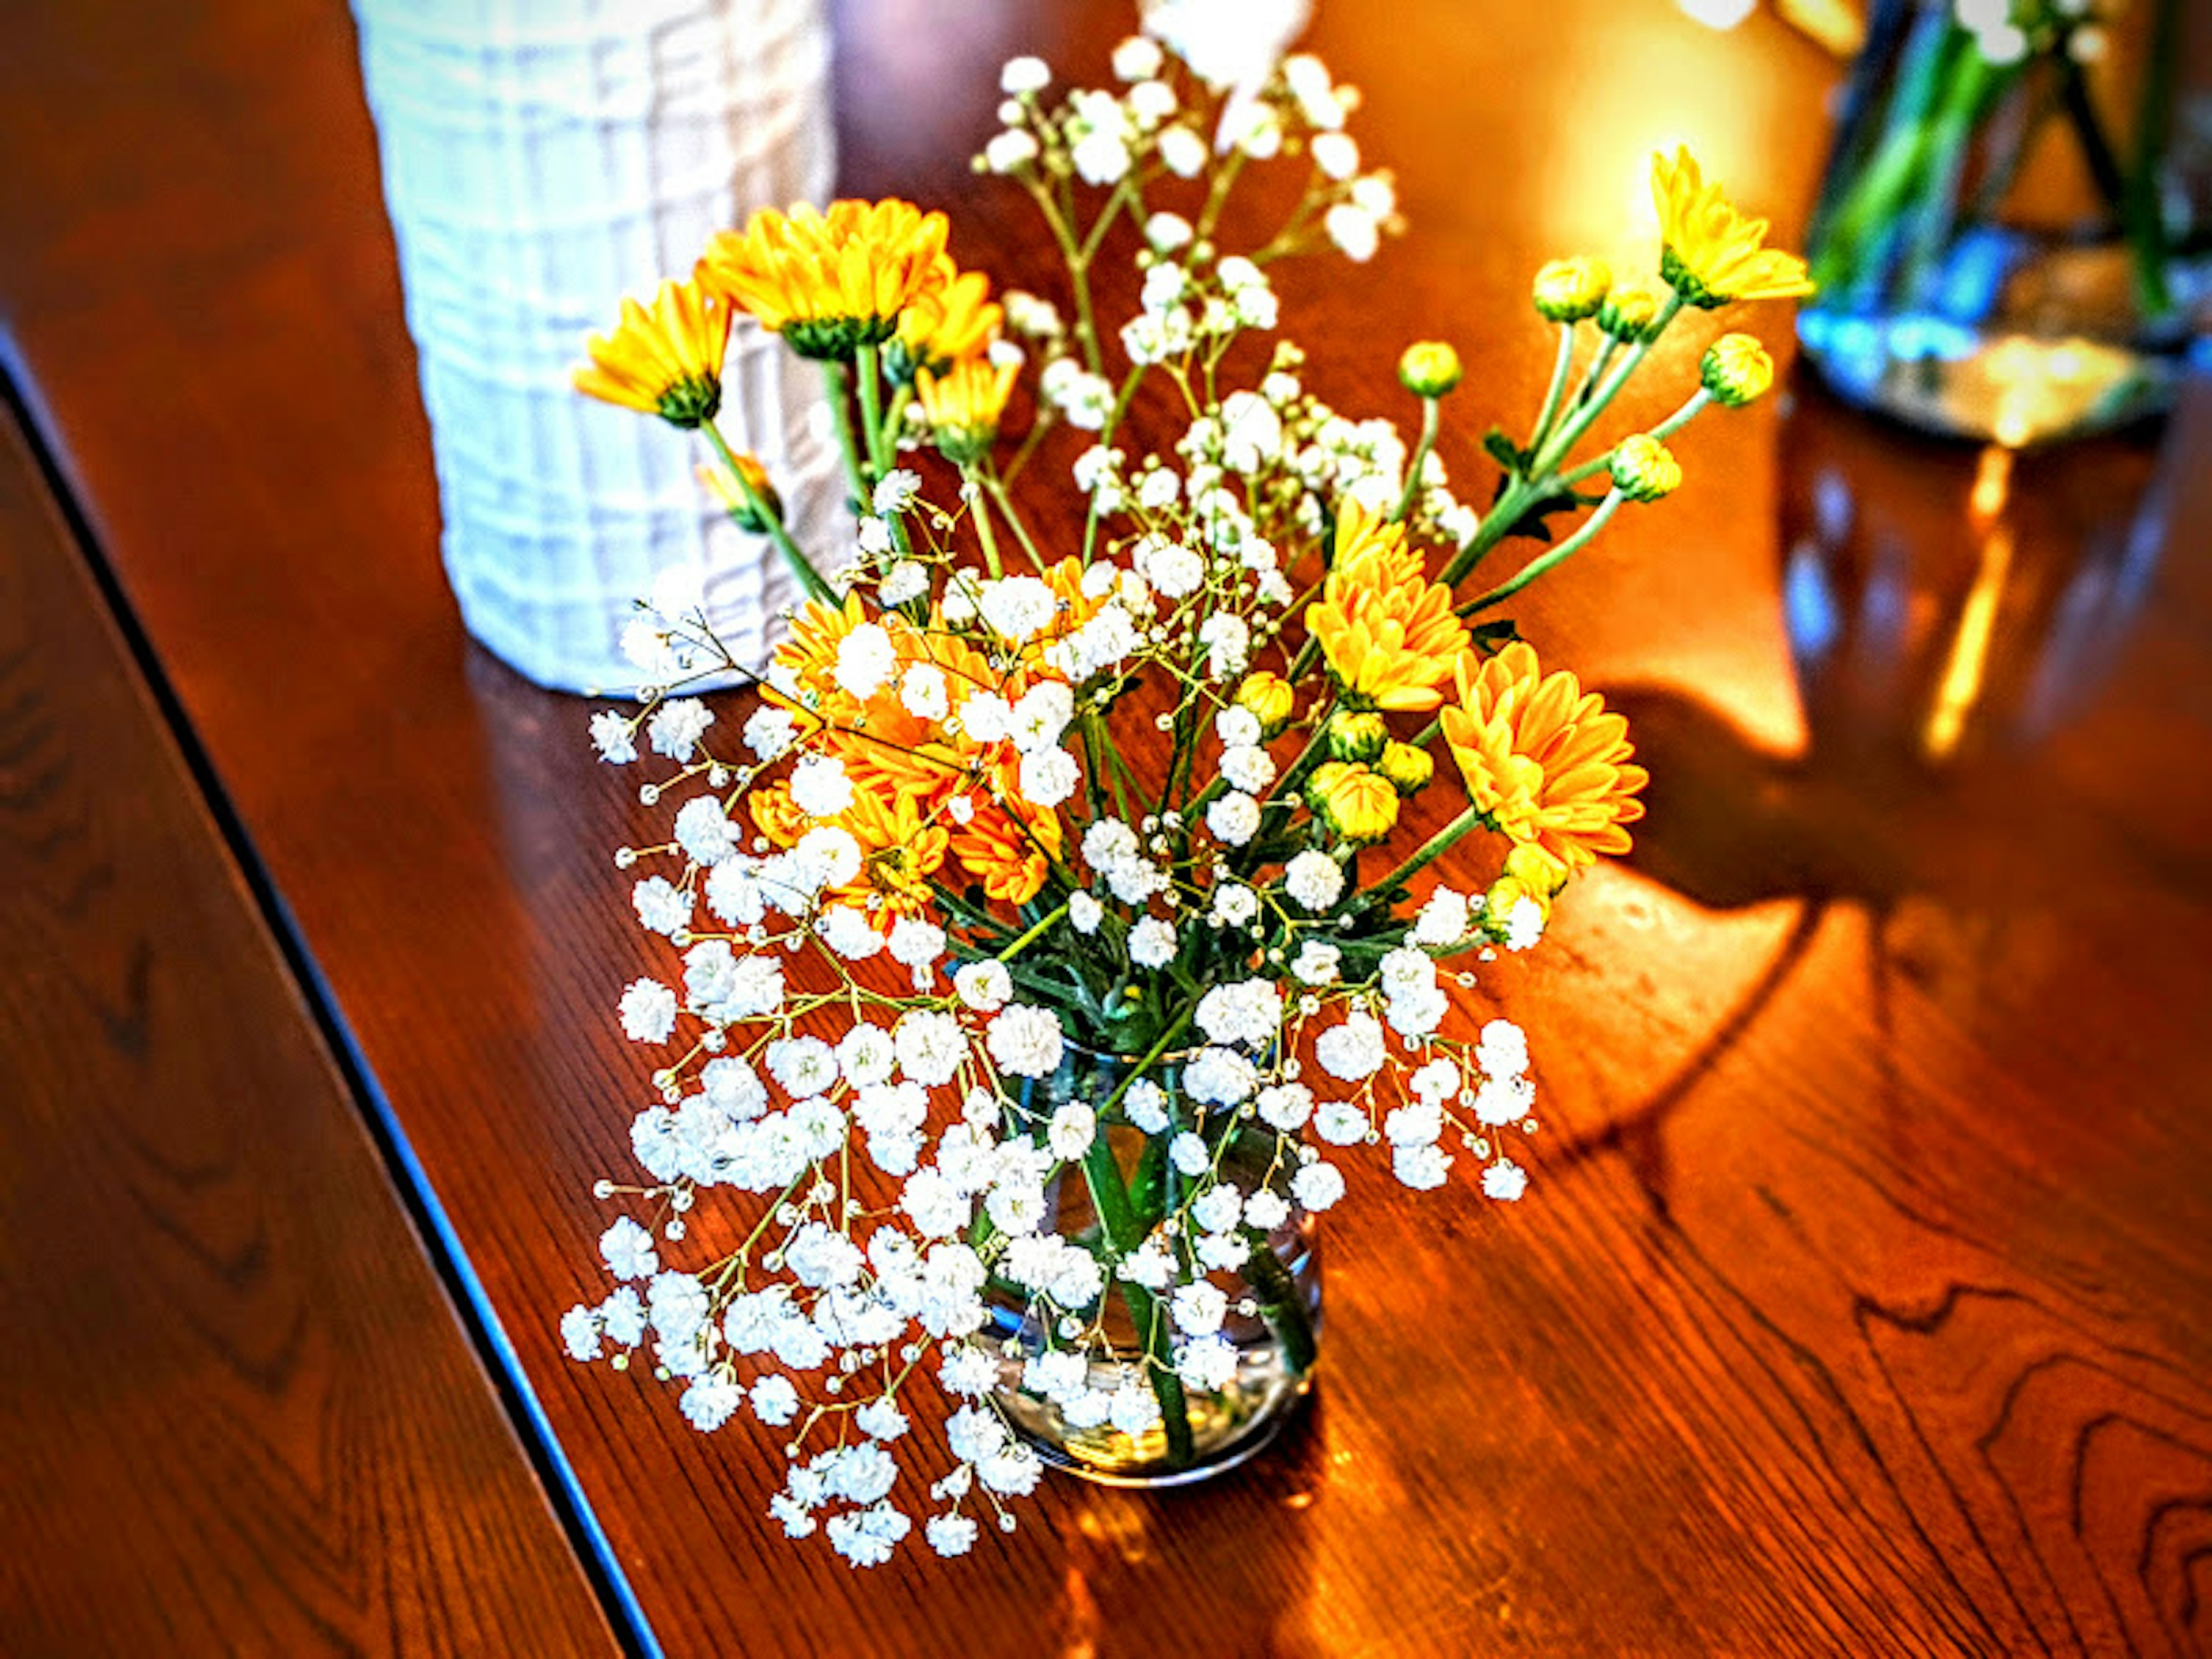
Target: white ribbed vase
[(542, 158)]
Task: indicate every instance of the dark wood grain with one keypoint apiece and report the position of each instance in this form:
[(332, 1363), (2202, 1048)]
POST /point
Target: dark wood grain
[(1863, 1303), (239, 1414)]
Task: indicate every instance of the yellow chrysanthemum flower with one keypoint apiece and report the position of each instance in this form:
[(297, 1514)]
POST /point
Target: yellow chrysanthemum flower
[(1270, 699), (957, 319), (831, 283), (962, 406), (1543, 760), (1008, 849), (1713, 254), (1388, 633), (734, 500), (666, 361)]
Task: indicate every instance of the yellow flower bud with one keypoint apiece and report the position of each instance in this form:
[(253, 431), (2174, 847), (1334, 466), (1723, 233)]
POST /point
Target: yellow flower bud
[(1408, 768), (733, 499), (1629, 312), (1536, 870), (1269, 699), (1357, 736), (1736, 369), (1354, 802), (1568, 290), (1644, 468), (1429, 368)]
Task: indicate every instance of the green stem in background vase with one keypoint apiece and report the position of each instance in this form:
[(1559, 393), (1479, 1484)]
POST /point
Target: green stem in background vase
[(2139, 213), (1118, 1217), (1280, 1304)]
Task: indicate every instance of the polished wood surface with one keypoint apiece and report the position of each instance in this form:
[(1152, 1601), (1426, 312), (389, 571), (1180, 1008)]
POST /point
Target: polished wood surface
[(239, 1414), (1861, 1305)]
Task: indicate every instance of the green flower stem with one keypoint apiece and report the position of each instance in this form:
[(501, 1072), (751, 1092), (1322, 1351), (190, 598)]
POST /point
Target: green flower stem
[(1431, 415), (974, 480), (809, 577), (1691, 409), (1535, 567), (840, 389), (1557, 390), (1126, 1231), (1280, 1304), (1044, 924), (1562, 443), (996, 489), (1599, 360), (1432, 849), (2140, 211)]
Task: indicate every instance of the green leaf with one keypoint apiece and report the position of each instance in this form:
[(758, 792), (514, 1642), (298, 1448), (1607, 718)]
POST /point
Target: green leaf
[(1504, 451)]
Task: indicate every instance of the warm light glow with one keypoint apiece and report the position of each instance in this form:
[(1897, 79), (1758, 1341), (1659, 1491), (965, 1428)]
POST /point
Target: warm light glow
[(1967, 665), (1717, 13)]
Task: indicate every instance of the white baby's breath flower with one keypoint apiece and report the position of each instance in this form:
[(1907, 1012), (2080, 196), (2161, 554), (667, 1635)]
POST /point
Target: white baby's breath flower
[(1024, 74), (1354, 231), (1443, 920), (627, 1249), (1085, 913), (1152, 943), (1248, 767), (930, 1046), (1199, 1308), (819, 787), (1524, 924), (1188, 1152), (774, 1401), (1182, 152), (704, 832), (1234, 819), (1145, 1105), (1285, 1106), (1353, 1051), (1315, 880), (614, 737), (1017, 607), (983, 986), (1315, 963), (1048, 777), (648, 1011), (677, 726), (580, 1333), (1025, 1040), (661, 906), (1009, 150), (1336, 154), (1234, 905), (1317, 1186), (768, 733), (1070, 1132), (1137, 59), (1504, 1179)]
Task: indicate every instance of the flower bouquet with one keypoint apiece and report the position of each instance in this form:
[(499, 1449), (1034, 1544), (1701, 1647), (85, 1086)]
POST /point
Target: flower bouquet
[(1056, 918)]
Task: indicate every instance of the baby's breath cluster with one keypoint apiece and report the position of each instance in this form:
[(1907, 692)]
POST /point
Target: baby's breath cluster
[(1093, 870)]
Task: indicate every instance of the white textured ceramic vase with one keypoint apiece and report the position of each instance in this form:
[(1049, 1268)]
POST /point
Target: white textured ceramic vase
[(541, 159)]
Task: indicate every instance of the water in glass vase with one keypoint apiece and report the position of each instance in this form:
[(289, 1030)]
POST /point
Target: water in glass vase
[(2012, 241), (1160, 1325)]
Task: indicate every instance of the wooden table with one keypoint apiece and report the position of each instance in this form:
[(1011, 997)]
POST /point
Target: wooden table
[(1860, 1307)]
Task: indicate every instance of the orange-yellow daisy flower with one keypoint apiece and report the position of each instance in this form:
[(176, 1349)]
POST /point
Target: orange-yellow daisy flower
[(1009, 855), (900, 851), (1713, 254), (832, 282), (1543, 758), (775, 815), (964, 405), (665, 360), (809, 652), (1388, 633)]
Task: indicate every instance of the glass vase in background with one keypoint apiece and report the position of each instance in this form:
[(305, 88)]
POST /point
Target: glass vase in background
[(2014, 239), (1124, 1189)]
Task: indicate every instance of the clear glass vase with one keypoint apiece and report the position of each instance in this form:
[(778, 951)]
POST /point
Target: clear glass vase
[(1126, 1189), (2013, 241)]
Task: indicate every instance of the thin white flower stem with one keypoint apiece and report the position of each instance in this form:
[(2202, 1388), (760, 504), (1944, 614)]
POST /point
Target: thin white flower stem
[(1535, 567)]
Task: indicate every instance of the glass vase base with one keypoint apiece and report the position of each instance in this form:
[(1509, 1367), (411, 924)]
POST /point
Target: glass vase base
[(1225, 1436), (2018, 390)]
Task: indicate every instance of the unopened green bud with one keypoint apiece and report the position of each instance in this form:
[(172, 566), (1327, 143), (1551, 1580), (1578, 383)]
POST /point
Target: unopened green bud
[(1644, 468), (1736, 369), (1429, 368), (1568, 290), (1357, 736), (1629, 312), (1408, 768)]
